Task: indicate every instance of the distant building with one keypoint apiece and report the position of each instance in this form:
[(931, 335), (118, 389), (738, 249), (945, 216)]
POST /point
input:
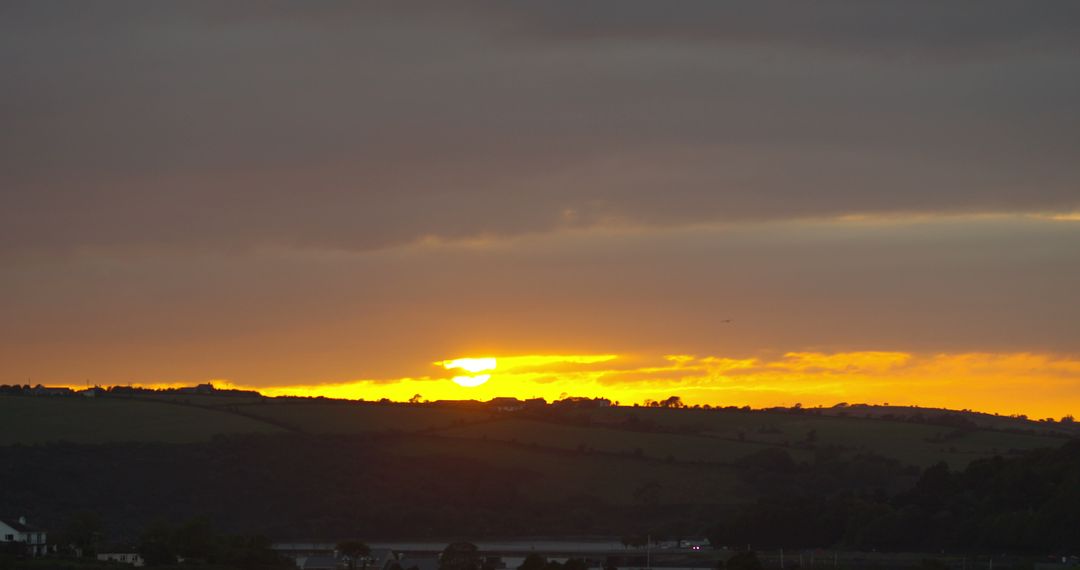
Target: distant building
[(319, 563), (91, 392), (131, 558), (207, 388), (381, 558), (459, 403), (1065, 563), (320, 555), (20, 531), (40, 390), (581, 402), (506, 404), (419, 563), (301, 552)]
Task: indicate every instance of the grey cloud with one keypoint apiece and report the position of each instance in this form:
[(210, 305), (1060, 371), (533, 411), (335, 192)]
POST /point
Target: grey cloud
[(363, 126), (301, 316), (971, 28)]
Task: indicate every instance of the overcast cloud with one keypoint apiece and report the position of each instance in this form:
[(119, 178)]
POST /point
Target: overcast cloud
[(283, 193), (359, 127)]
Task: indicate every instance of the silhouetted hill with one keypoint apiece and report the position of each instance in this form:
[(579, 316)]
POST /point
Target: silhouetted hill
[(1023, 504), (296, 467)]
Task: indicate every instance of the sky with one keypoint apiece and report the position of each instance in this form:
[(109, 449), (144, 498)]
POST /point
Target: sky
[(743, 203)]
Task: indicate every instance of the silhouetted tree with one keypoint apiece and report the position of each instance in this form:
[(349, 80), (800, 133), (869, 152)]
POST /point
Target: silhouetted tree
[(156, 545), (354, 550), (195, 539), (83, 531), (533, 562), (460, 556), (575, 564), (250, 553), (672, 402)]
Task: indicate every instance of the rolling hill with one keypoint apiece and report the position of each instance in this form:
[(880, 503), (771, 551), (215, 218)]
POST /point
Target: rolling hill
[(29, 420), (329, 468)]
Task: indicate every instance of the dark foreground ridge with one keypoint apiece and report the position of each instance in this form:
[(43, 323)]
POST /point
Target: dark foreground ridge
[(307, 486), (143, 468)]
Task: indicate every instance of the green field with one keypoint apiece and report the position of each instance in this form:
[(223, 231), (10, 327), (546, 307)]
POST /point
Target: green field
[(594, 462), (99, 420), (687, 436), (912, 443), (679, 447), (337, 467), (202, 400), (556, 476), (335, 417)]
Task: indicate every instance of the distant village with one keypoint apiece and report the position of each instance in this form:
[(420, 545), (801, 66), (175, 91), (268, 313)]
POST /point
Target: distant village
[(27, 542), (20, 538)]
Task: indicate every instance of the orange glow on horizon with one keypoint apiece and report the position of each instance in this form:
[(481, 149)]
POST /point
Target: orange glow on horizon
[(1038, 385)]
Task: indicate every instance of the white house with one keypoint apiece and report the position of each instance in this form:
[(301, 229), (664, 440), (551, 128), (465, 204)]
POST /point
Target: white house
[(21, 531)]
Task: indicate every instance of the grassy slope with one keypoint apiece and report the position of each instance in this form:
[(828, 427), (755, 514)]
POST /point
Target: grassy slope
[(100, 420), (561, 462), (713, 436), (561, 476), (913, 443), (202, 400), (335, 417), (680, 447), (560, 472), (509, 442), (991, 421)]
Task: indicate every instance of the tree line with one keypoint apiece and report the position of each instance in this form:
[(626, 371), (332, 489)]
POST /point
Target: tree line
[(1025, 504)]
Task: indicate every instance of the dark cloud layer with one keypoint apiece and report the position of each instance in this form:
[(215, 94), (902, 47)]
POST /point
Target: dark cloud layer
[(197, 125), (293, 192), (873, 27)]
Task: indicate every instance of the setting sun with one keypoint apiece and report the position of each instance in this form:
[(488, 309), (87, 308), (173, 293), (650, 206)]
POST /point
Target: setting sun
[(473, 365), (471, 381), (469, 364)]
